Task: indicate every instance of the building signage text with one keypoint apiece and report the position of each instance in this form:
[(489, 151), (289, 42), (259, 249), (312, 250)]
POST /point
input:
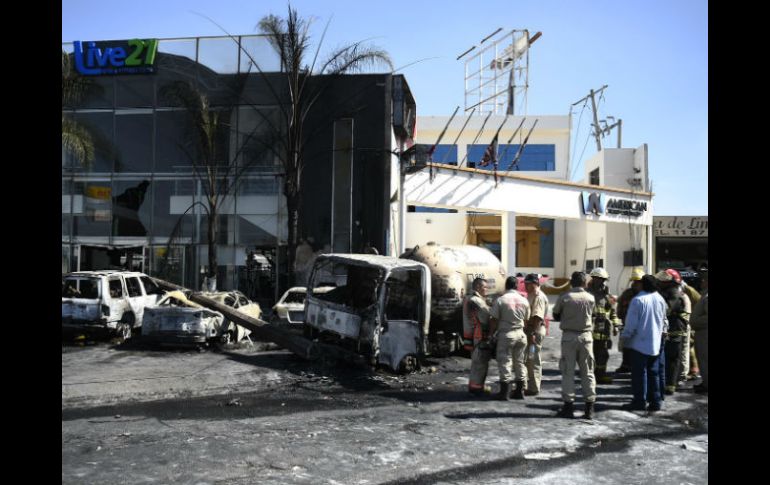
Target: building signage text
[(598, 204), (625, 207), (678, 226), (135, 56)]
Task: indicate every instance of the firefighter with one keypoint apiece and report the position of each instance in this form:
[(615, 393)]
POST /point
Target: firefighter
[(476, 335), (623, 301), (508, 315), (700, 323), (689, 366), (605, 322), (678, 315), (573, 310), (535, 330)]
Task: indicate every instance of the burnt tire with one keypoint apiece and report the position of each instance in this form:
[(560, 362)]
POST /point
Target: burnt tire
[(123, 330), (408, 364)]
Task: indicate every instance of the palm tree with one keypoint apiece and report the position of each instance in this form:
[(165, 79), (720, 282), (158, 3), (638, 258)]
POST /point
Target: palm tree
[(75, 138), (290, 39), (209, 130)]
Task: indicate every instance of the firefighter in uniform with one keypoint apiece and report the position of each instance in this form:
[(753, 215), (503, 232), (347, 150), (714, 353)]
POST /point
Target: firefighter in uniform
[(476, 335), (605, 322), (508, 315), (535, 330), (688, 368), (573, 310), (623, 301), (678, 315)]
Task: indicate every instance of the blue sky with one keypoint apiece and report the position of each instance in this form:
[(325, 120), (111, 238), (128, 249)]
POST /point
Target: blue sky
[(653, 54)]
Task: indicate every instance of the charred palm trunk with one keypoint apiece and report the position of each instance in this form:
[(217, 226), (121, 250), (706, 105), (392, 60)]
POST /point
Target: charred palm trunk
[(212, 242), (292, 207)]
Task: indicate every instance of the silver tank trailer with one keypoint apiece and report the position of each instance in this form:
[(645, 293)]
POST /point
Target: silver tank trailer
[(453, 269)]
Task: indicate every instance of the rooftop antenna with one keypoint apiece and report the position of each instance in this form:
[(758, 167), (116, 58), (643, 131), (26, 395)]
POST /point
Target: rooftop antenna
[(492, 74)]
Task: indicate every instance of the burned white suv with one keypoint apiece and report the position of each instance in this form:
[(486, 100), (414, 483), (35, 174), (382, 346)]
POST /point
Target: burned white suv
[(107, 301)]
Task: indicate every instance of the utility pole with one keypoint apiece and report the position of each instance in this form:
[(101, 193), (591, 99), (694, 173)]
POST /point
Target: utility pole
[(597, 128)]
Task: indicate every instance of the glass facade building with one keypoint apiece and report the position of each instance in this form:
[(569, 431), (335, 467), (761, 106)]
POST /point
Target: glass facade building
[(139, 203), (142, 203)]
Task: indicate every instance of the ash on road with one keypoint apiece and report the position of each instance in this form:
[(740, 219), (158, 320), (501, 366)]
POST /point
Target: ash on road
[(258, 414)]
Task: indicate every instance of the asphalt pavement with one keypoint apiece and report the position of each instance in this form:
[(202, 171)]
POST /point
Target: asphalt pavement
[(258, 414)]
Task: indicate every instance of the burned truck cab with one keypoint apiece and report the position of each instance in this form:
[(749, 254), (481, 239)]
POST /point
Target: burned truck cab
[(379, 308)]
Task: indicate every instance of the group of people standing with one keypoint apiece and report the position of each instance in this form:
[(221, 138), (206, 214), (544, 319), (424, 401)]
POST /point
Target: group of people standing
[(506, 330), (654, 318)]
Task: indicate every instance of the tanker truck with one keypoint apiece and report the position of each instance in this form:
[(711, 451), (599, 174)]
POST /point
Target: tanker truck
[(453, 269)]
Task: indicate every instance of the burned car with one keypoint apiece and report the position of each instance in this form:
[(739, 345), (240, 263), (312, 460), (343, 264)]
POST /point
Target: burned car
[(109, 301), (180, 321), (235, 299), (290, 309), (379, 308)]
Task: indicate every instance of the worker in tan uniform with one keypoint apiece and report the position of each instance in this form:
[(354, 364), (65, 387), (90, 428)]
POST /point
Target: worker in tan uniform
[(508, 315), (535, 331), (476, 333), (574, 310), (700, 323)]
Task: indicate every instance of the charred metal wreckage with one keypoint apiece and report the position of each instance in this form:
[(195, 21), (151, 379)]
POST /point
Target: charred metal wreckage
[(178, 320), (380, 310)]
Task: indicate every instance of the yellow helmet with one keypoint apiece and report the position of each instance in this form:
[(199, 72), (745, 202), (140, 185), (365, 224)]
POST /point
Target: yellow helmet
[(636, 274)]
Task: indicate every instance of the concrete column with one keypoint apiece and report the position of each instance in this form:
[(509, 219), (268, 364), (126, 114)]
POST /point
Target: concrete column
[(650, 249), (508, 242)]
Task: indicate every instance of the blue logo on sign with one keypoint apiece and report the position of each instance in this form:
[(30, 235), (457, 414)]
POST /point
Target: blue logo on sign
[(594, 203), (135, 56)]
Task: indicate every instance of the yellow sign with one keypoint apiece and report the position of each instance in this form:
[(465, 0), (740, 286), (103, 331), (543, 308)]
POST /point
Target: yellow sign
[(96, 192)]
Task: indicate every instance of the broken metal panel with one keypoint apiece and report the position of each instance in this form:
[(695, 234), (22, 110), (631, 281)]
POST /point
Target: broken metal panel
[(400, 339), (335, 318)]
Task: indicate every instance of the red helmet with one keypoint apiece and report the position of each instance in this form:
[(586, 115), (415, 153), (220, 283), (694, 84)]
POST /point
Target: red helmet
[(675, 275)]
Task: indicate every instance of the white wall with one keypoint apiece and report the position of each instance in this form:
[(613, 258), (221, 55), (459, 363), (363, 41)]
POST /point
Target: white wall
[(576, 244), (524, 195), (622, 238), (618, 166), (445, 229)]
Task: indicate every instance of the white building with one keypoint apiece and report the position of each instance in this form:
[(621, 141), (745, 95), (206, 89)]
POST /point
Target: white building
[(530, 214)]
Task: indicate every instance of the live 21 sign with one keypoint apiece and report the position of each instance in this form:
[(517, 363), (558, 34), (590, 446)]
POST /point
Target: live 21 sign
[(135, 56)]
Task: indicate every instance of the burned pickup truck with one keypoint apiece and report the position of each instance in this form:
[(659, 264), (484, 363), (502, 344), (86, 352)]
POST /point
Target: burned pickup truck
[(379, 308), (106, 302)]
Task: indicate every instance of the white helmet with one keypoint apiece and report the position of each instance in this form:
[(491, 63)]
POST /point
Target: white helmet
[(599, 273)]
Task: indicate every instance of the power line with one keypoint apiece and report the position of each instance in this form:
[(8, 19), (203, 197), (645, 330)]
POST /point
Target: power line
[(577, 130), (581, 155)]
